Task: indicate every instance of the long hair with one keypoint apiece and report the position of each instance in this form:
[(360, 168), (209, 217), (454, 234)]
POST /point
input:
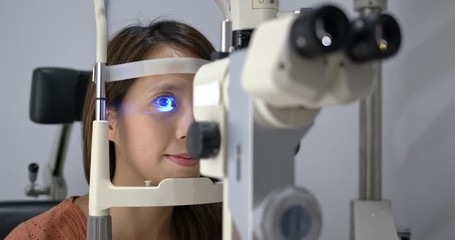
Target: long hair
[(134, 43)]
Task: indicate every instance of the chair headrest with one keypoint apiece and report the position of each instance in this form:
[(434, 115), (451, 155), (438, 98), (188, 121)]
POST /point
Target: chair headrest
[(57, 95)]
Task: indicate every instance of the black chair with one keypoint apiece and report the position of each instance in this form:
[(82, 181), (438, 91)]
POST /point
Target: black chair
[(57, 97), (12, 213)]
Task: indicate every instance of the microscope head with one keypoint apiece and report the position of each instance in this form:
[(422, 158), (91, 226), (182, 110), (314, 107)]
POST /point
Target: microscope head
[(313, 60)]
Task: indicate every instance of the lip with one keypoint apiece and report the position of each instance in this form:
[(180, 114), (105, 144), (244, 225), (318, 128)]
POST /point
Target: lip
[(182, 159)]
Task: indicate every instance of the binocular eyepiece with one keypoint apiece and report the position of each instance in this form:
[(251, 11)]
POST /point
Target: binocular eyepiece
[(327, 29), (319, 31), (373, 36)]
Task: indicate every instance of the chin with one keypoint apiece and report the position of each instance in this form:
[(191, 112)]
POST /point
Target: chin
[(187, 173)]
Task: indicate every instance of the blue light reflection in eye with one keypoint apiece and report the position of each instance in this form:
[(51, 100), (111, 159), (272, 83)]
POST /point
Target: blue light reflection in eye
[(164, 104)]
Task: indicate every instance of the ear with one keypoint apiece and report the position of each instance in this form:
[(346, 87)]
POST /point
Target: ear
[(111, 116)]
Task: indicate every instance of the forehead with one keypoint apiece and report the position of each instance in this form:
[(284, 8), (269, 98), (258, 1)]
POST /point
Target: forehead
[(166, 51)]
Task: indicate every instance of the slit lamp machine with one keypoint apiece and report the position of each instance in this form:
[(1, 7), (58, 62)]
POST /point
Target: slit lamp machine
[(253, 104)]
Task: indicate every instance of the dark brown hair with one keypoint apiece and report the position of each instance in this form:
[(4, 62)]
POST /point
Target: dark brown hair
[(134, 43)]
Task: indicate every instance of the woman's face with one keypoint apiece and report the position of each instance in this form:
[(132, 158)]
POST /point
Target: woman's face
[(149, 132)]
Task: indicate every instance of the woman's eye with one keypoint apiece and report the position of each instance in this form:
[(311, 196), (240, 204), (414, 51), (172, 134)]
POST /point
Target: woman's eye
[(164, 103)]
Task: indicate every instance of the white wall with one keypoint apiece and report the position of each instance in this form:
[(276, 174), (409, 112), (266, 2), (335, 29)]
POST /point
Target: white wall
[(419, 115), (419, 105)]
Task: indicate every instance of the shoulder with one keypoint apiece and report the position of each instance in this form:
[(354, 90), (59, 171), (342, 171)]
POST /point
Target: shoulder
[(64, 221)]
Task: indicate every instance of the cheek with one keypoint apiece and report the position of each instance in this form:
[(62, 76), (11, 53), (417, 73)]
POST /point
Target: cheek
[(146, 137)]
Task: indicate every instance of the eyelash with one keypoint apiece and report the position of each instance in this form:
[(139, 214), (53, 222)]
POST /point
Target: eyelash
[(164, 103)]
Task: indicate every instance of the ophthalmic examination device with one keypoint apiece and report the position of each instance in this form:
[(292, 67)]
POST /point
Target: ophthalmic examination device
[(253, 104)]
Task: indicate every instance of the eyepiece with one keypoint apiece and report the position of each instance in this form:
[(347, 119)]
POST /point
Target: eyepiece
[(319, 31), (204, 140), (375, 36)]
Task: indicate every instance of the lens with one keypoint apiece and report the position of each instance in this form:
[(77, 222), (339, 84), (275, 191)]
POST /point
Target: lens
[(376, 36), (295, 222), (319, 31), (288, 212)]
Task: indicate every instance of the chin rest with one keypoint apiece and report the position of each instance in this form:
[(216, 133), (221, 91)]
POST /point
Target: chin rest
[(12, 213)]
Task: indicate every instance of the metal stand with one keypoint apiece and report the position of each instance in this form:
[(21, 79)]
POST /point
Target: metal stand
[(370, 165), (54, 183), (371, 216)]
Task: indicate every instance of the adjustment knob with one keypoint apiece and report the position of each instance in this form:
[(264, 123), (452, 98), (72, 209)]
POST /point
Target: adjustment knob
[(203, 140), (32, 172)]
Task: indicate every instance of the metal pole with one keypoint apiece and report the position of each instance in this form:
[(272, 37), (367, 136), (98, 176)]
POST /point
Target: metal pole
[(370, 162), (99, 77), (370, 129), (226, 35)]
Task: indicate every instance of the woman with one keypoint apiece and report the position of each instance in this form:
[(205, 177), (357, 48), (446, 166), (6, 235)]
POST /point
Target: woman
[(148, 120)]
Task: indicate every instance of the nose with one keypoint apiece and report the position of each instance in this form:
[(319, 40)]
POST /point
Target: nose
[(184, 122)]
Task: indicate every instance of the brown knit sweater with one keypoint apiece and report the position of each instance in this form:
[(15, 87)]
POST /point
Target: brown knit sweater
[(64, 221)]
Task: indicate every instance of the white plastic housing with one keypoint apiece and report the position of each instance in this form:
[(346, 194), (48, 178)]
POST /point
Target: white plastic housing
[(275, 74), (209, 99), (247, 14)]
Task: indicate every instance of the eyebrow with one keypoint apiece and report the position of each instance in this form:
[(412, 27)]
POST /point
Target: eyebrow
[(165, 87)]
